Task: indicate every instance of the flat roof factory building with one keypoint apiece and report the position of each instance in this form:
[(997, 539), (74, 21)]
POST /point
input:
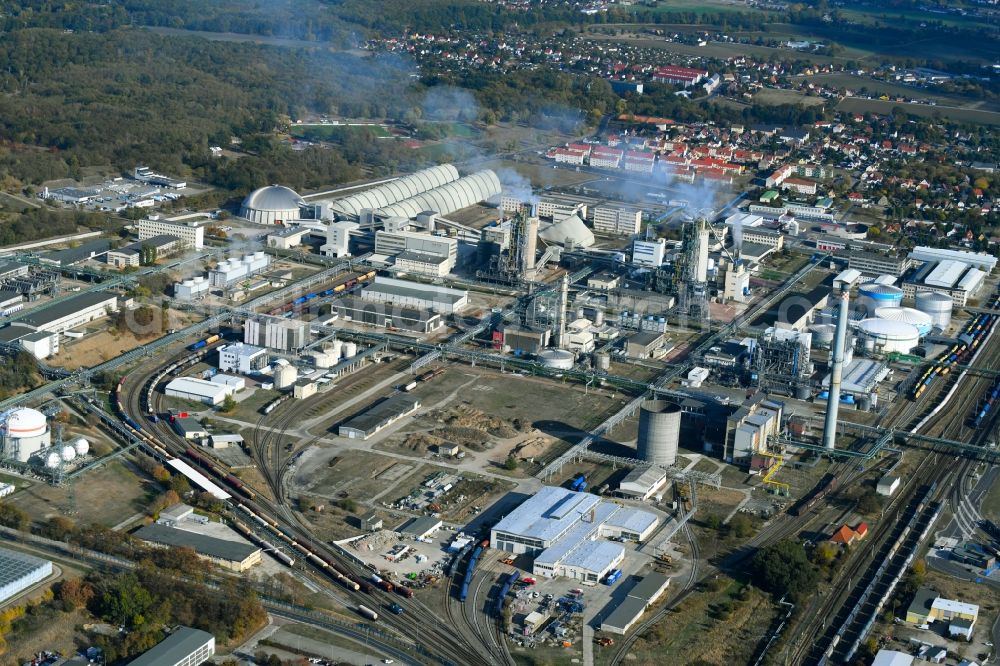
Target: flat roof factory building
[(643, 595), (18, 572), (73, 312), (379, 416), (562, 528), (232, 555), (415, 295), (191, 388), (184, 647)]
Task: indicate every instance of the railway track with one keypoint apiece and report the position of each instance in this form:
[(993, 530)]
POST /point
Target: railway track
[(441, 646)]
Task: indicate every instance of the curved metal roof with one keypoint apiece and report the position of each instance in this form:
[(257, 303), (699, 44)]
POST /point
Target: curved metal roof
[(448, 198), (397, 190), (921, 320), (277, 198)]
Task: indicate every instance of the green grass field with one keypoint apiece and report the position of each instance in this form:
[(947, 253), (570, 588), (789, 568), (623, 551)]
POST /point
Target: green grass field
[(775, 96), (855, 105), (328, 132)]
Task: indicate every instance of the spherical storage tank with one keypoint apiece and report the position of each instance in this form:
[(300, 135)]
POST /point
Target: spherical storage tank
[(81, 446), (937, 305), (875, 295), (659, 432), (25, 433), (67, 453), (559, 359), (921, 320), (886, 336)]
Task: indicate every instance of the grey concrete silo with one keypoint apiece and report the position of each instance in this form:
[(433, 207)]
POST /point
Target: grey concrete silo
[(659, 431)]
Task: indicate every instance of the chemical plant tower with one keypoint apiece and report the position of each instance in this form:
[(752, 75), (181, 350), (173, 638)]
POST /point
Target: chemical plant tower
[(836, 374)]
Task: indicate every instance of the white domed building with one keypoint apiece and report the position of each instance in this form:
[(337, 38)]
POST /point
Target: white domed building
[(25, 432), (273, 204)]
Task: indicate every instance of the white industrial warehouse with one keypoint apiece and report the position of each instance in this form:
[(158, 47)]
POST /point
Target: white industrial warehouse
[(397, 190), (563, 529), (18, 572), (415, 295), (200, 390)]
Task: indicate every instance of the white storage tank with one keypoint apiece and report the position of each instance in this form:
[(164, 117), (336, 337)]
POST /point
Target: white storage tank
[(350, 349), (822, 334), (937, 305), (602, 361), (285, 376), (886, 336), (53, 460), (67, 453), (874, 295), (559, 359), (337, 349), (921, 320), (324, 360), (81, 446)]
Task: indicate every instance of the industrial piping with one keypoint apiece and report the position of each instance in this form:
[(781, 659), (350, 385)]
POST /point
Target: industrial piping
[(836, 374)]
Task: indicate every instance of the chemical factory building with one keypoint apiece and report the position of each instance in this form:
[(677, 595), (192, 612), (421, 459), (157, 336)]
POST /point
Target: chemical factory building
[(73, 312), (416, 295), (642, 482), (243, 358), (643, 595), (562, 528), (131, 254), (396, 243), (232, 555), (184, 647), (191, 388), (861, 375), (18, 572), (191, 232), (387, 315), (379, 416)]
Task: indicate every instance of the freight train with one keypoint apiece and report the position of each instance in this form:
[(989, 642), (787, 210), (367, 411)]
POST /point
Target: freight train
[(973, 334), (471, 569), (508, 582), (343, 284), (989, 400), (210, 340), (827, 485)]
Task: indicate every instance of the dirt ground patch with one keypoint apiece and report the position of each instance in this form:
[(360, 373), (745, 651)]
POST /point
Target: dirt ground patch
[(106, 496), (722, 623), (105, 344)]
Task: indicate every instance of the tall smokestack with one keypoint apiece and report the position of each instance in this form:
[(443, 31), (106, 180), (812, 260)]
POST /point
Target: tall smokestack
[(701, 269), (563, 307), (836, 373), (530, 247)]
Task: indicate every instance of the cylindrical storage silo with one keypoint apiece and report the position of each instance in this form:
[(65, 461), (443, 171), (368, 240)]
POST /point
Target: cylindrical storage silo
[(937, 305), (350, 349), (822, 334), (873, 295), (802, 392), (285, 376), (921, 320), (598, 317), (336, 349), (659, 432), (602, 361), (558, 359), (885, 336)]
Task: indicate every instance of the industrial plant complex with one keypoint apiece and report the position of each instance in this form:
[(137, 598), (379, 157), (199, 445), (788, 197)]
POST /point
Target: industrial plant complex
[(543, 401)]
